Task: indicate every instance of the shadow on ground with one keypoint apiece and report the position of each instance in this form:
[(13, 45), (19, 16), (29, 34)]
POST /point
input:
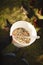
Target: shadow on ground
[(5, 38)]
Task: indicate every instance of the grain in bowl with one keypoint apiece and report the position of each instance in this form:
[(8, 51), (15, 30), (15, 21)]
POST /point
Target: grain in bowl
[(21, 35)]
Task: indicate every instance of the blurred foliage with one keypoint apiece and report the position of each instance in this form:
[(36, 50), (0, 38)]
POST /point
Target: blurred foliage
[(15, 10)]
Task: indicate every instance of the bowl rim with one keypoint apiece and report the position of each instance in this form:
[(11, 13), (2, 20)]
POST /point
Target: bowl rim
[(22, 43)]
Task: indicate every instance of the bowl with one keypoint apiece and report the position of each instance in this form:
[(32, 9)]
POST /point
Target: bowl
[(29, 27)]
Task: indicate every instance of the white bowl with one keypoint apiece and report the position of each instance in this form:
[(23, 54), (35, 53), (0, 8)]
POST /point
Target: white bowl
[(29, 27)]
